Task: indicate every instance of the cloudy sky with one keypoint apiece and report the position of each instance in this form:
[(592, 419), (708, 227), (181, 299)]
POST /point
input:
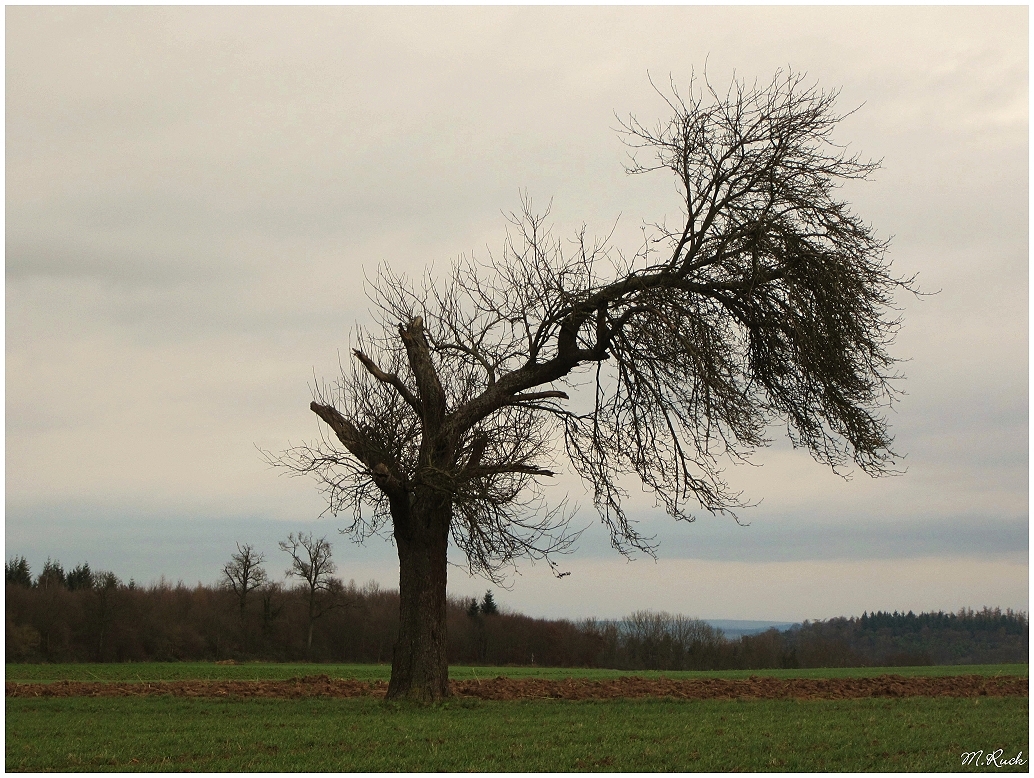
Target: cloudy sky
[(193, 196)]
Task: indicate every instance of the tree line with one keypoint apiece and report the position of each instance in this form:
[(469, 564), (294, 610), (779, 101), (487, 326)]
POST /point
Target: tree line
[(82, 615)]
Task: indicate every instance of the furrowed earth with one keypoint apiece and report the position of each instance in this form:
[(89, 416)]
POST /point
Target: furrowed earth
[(501, 688)]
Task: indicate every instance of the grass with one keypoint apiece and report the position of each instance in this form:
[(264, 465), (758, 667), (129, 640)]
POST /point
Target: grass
[(367, 735), (182, 671)]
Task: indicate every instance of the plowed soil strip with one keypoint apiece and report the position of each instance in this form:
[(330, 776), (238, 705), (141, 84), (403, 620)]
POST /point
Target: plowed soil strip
[(570, 689)]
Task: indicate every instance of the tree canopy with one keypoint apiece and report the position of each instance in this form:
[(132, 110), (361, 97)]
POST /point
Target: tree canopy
[(769, 302)]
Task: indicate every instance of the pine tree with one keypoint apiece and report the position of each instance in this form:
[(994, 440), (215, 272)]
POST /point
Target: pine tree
[(17, 571), (53, 575), (488, 606), (80, 577)]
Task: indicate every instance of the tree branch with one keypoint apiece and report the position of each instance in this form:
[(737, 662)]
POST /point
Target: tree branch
[(384, 474), (533, 396), (476, 355), (477, 450), (389, 378), (506, 468), (432, 396)]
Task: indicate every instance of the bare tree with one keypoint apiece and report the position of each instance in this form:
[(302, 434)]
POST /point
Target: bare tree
[(244, 573), (767, 302), (310, 561)]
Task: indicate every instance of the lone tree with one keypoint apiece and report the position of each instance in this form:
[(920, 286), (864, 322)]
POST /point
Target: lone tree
[(310, 561), (488, 606), (244, 574), (768, 302)]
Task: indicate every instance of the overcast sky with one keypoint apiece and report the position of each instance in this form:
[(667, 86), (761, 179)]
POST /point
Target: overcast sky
[(194, 194)]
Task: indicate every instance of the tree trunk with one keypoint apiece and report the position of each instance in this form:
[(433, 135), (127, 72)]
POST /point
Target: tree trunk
[(420, 667), (312, 621), (244, 630)]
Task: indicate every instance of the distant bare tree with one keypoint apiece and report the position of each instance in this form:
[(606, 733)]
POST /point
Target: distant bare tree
[(768, 302), (310, 561), (662, 641), (244, 573)]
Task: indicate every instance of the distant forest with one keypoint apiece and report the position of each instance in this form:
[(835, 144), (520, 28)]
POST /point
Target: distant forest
[(86, 616)]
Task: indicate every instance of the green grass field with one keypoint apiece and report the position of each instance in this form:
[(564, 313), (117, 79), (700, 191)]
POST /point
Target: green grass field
[(366, 734)]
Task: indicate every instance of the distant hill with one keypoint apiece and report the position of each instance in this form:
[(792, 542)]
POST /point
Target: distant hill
[(734, 628)]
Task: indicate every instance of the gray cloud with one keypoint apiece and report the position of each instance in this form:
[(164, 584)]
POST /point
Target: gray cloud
[(147, 544), (851, 537), (194, 195)]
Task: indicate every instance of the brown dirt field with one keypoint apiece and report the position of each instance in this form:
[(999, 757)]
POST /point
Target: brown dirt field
[(500, 688)]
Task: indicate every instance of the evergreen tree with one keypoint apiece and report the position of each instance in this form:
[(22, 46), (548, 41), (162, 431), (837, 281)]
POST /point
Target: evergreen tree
[(488, 606), (53, 575), (80, 577), (17, 571)]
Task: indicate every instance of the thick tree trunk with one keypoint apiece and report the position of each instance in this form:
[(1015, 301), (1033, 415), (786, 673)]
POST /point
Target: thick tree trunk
[(420, 667)]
